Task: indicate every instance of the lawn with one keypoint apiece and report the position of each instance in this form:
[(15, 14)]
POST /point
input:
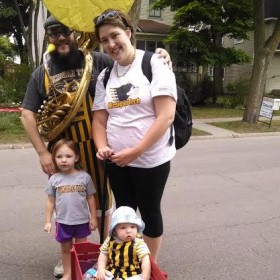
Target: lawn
[(12, 132), (11, 129), (243, 127)]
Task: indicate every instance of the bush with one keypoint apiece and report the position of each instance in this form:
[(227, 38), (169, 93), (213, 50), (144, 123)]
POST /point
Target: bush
[(196, 92), (235, 94), (13, 84), (10, 122)]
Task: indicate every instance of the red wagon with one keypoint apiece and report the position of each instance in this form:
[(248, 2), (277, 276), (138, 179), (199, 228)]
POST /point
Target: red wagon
[(84, 255)]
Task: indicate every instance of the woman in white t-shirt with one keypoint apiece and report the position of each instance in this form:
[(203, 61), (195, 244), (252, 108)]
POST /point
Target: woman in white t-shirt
[(131, 124)]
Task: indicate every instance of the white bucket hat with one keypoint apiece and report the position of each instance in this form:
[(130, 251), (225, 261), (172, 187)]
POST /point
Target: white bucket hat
[(125, 214)]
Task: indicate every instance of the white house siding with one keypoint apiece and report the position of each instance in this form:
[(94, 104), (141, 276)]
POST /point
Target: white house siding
[(166, 14), (236, 71), (273, 74)]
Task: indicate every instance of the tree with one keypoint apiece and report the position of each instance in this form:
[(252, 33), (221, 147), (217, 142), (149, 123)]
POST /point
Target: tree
[(20, 19), (11, 25), (264, 51), (198, 30)]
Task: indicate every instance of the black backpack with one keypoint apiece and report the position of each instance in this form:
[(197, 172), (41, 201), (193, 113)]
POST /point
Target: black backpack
[(183, 117)]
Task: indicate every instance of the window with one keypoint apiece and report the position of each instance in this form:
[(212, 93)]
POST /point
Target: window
[(154, 12), (149, 45), (238, 41)]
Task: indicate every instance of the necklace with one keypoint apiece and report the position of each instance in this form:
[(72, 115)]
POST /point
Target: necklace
[(129, 66)]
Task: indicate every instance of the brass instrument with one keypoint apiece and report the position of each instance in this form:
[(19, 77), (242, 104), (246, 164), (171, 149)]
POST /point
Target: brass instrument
[(61, 107)]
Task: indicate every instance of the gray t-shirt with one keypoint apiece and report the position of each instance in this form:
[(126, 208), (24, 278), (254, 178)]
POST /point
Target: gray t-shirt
[(62, 75), (70, 192)]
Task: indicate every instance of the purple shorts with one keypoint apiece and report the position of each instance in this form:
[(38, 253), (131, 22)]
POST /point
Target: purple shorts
[(65, 233)]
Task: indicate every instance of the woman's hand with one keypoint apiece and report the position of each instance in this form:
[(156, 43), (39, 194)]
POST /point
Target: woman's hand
[(104, 153), (125, 156)]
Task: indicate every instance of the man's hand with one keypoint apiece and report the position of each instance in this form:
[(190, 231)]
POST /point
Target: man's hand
[(47, 163), (164, 54)]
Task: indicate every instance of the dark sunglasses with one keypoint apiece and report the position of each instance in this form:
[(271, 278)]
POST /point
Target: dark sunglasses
[(65, 33), (111, 14)]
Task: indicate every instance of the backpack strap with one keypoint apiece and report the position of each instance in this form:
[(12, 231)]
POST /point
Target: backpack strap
[(146, 68), (146, 65), (107, 75)]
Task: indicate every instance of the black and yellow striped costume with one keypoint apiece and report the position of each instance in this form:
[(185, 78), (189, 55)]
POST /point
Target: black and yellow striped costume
[(79, 130), (124, 259)]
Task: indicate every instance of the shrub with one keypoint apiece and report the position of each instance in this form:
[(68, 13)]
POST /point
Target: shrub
[(13, 84), (196, 92), (235, 94), (10, 122)]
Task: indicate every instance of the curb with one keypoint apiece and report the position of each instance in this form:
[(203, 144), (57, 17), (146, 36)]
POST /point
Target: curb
[(235, 135), (15, 146)]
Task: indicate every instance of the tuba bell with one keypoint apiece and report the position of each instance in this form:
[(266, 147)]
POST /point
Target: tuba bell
[(61, 106)]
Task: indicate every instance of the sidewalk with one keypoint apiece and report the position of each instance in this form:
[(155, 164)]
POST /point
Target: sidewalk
[(218, 133)]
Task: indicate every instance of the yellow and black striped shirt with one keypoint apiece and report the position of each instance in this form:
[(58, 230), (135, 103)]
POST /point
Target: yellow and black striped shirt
[(124, 258)]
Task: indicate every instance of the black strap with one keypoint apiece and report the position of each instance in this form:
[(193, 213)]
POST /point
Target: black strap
[(107, 75), (146, 65), (103, 202)]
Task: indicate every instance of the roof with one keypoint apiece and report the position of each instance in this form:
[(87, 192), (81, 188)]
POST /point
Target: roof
[(151, 26)]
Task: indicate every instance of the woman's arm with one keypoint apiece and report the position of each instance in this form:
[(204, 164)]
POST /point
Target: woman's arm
[(165, 112), (99, 135)]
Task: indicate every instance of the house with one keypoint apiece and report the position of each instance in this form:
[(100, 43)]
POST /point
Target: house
[(153, 26), (235, 72)]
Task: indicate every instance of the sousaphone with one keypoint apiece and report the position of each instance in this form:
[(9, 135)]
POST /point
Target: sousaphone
[(61, 106)]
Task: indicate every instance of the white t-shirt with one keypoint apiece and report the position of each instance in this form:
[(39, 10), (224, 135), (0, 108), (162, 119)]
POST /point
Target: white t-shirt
[(129, 103)]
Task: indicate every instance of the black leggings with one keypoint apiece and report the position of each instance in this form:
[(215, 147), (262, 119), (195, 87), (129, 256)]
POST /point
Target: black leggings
[(142, 188)]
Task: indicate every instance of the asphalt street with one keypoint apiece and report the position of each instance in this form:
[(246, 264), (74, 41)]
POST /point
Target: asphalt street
[(221, 213)]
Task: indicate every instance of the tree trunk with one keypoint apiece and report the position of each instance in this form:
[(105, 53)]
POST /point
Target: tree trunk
[(35, 32), (217, 71), (217, 82), (264, 51), (134, 13), (257, 84)]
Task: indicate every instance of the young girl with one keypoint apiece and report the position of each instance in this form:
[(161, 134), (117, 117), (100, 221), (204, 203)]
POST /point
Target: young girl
[(124, 254), (71, 193)]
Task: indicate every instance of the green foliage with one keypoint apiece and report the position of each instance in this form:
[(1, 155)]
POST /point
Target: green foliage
[(199, 26), (14, 83), (9, 121), (236, 94), (6, 50), (196, 92)]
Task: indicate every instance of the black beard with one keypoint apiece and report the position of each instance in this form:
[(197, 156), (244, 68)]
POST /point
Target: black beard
[(69, 60)]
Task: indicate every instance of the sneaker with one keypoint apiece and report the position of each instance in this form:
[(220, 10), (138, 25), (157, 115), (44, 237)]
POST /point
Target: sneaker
[(58, 269)]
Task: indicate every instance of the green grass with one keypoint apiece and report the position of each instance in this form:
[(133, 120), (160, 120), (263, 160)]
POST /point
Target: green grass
[(197, 132), (11, 129), (12, 132), (243, 127), (205, 112)]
